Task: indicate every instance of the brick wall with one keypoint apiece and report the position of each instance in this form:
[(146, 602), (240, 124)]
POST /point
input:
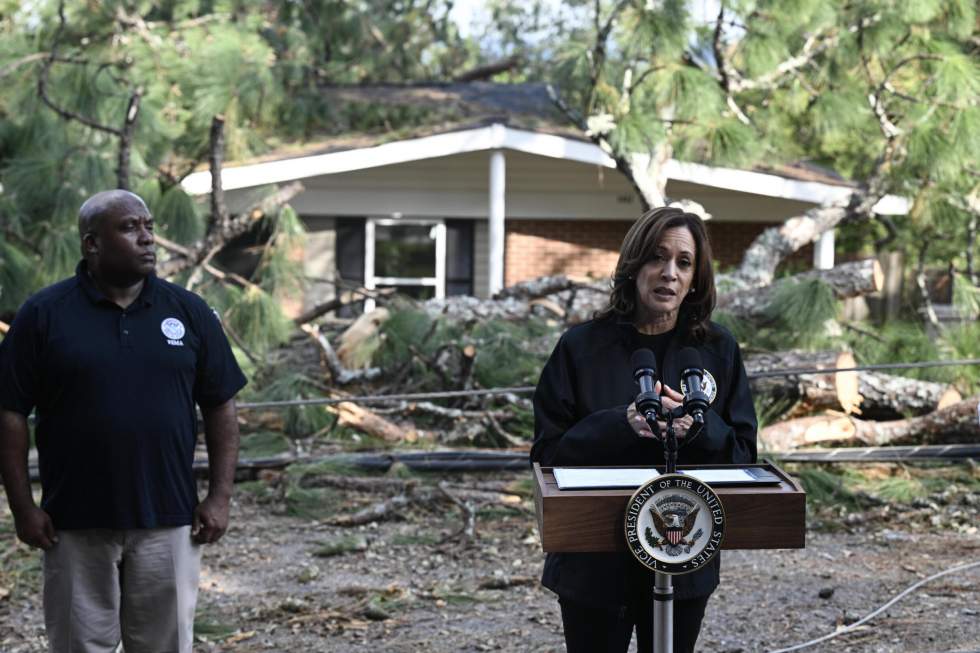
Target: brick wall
[(537, 248), (729, 240)]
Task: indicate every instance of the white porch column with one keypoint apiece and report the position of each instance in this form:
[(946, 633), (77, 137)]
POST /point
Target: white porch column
[(498, 172), (823, 251)]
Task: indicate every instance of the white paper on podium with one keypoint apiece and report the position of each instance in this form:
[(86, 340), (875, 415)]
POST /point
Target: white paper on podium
[(593, 478)]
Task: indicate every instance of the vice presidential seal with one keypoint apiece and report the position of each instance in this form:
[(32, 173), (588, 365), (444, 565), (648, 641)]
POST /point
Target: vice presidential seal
[(708, 385), (674, 524)]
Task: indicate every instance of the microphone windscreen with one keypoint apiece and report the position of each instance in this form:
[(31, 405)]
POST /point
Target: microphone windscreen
[(689, 358), (643, 359)]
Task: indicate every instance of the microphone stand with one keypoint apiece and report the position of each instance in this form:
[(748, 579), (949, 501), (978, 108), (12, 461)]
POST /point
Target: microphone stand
[(663, 585)]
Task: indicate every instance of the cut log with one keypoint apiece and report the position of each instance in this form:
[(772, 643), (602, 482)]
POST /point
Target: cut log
[(4, 327), (359, 341), (361, 419), (872, 395), (543, 286), (889, 397), (806, 393), (846, 280), (956, 424)]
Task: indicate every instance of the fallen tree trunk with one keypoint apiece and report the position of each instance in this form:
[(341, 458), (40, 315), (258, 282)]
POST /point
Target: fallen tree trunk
[(872, 395), (889, 397), (575, 300), (956, 424), (806, 393), (363, 420), (846, 280)]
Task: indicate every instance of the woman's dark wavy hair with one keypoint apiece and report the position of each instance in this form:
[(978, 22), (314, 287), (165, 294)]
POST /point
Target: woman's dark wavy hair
[(639, 247)]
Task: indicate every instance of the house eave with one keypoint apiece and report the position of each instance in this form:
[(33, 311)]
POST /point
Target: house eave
[(502, 137)]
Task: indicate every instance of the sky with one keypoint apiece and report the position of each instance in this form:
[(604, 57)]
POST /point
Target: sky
[(470, 14)]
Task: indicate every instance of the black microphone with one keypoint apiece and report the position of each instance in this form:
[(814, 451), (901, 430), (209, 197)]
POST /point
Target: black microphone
[(645, 372), (695, 399)]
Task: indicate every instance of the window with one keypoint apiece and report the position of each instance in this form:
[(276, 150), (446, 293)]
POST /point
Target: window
[(421, 258)]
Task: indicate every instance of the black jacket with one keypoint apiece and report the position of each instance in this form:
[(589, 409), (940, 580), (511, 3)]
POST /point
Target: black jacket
[(580, 419)]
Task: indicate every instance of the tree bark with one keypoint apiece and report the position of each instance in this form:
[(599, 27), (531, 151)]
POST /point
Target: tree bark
[(214, 242), (956, 424), (361, 419), (846, 280), (872, 395), (889, 397), (808, 392)]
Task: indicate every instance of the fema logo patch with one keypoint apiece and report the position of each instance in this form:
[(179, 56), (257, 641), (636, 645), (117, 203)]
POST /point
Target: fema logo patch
[(708, 385), (674, 524), (173, 329)]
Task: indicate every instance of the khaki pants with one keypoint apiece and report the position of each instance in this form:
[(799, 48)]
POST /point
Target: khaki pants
[(138, 587)]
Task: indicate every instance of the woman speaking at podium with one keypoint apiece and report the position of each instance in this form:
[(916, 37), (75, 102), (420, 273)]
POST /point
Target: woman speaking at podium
[(662, 297)]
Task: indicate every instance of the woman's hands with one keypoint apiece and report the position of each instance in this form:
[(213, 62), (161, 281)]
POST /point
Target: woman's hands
[(670, 399)]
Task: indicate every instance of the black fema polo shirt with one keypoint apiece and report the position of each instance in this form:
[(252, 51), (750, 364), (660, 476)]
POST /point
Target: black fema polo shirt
[(115, 391)]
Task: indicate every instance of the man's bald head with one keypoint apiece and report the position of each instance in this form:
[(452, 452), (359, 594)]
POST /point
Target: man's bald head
[(105, 203)]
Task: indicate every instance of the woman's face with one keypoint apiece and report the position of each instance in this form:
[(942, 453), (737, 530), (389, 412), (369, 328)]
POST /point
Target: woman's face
[(664, 281)]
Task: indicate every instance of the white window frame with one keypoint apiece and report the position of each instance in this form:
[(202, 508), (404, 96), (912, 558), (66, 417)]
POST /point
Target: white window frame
[(371, 281)]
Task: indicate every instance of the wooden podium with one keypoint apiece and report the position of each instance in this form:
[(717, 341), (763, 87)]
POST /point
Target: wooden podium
[(591, 521)]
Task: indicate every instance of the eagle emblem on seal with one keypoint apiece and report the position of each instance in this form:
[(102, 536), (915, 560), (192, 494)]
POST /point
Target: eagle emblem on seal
[(672, 530)]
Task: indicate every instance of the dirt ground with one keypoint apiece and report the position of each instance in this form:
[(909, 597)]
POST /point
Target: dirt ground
[(286, 582)]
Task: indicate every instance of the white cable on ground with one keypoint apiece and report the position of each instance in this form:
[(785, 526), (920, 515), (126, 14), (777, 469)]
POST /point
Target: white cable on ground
[(895, 600)]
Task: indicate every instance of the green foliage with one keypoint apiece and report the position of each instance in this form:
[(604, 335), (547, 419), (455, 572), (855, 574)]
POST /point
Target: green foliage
[(257, 318), (900, 342), (17, 276), (341, 546), (963, 342), (411, 339), (263, 444), (176, 212), (800, 310), (262, 66), (298, 421), (795, 318), (497, 341), (824, 487)]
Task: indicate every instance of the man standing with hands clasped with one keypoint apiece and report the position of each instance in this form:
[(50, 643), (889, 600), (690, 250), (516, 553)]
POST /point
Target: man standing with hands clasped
[(114, 360)]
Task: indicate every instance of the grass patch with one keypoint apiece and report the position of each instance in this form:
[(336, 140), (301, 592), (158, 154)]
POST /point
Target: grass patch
[(313, 504), (497, 512), (209, 628), (423, 539), (341, 546), (257, 490), (852, 488)]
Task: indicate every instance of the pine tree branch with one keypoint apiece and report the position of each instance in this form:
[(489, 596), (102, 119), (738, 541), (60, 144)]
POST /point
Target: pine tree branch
[(42, 82), (124, 134), (126, 139), (648, 191), (815, 45), (193, 256), (598, 53), (219, 218), (489, 70), (30, 246), (727, 73), (14, 65)]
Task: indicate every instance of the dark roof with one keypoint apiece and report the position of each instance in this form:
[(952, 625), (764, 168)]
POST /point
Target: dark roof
[(527, 106), (469, 105)]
